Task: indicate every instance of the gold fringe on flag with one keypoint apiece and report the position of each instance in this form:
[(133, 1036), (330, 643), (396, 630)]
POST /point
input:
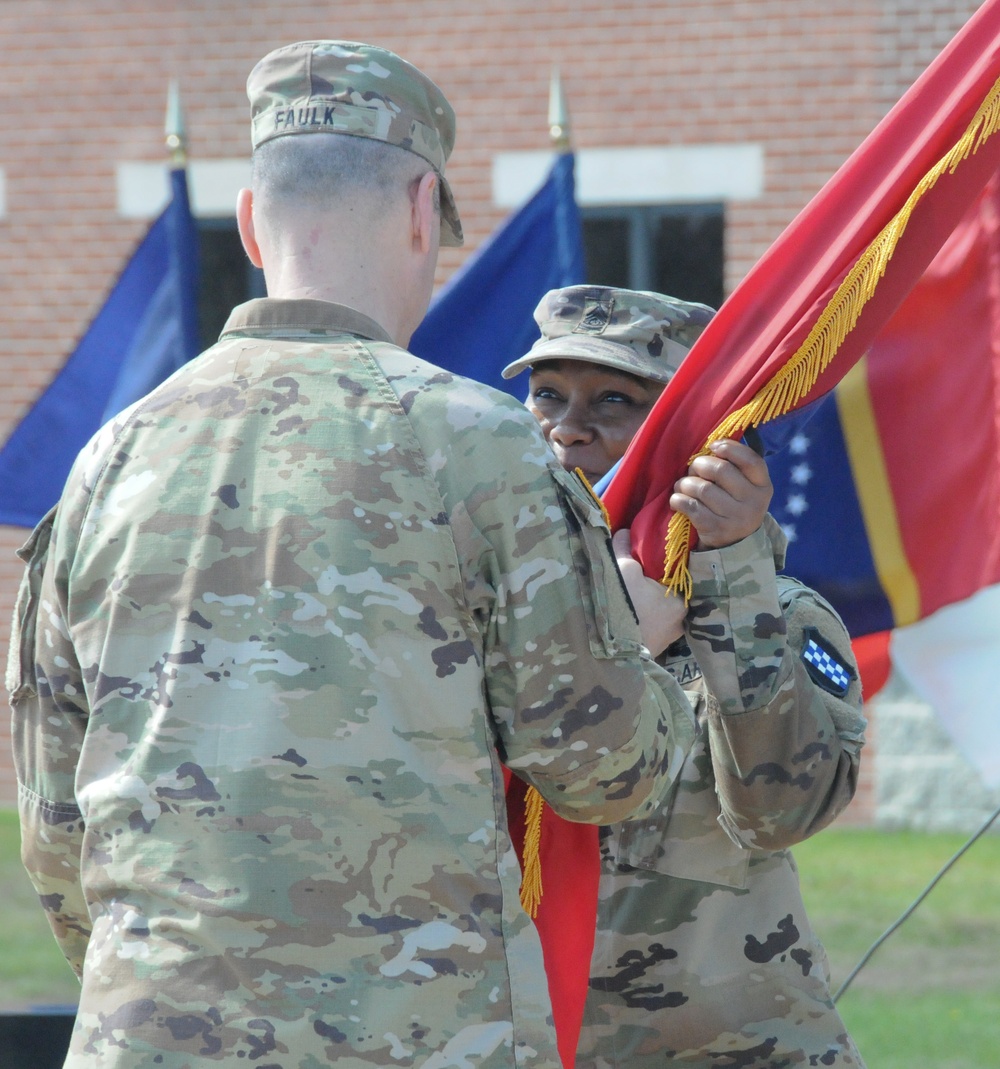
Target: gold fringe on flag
[(578, 472), (837, 320), (531, 876)]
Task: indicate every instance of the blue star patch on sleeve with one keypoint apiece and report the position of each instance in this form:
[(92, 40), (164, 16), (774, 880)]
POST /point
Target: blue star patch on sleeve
[(826, 667)]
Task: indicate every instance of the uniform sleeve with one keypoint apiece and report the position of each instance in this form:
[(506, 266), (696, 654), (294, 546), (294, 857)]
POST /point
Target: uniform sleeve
[(48, 723), (580, 709), (784, 708)]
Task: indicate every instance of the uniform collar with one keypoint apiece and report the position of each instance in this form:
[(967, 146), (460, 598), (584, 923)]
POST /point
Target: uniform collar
[(269, 315)]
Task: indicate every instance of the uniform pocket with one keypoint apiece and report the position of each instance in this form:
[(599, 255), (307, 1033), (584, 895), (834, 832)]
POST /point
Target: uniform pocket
[(683, 838), (21, 673), (614, 626)]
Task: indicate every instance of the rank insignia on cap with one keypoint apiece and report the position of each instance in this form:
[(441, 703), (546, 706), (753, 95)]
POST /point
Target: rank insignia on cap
[(596, 316), (825, 665)]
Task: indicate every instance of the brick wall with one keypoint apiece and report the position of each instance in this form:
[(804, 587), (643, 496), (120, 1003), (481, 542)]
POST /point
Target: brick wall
[(922, 781), (84, 87)]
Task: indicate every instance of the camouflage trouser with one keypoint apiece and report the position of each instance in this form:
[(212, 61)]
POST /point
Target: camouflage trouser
[(709, 976)]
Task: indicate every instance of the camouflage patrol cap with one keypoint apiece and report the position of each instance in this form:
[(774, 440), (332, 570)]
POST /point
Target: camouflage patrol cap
[(342, 87), (646, 334)]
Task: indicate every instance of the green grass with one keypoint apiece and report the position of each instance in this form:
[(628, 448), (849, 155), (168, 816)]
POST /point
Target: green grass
[(32, 969), (928, 998)]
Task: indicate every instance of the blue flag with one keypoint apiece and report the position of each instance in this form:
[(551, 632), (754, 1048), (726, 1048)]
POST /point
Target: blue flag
[(481, 319), (816, 502), (146, 329)]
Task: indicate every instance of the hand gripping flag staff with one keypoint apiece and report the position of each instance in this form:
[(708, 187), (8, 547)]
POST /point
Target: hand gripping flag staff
[(800, 320)]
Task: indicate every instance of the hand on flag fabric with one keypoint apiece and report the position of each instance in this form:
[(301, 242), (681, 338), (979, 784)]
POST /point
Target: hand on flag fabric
[(725, 494), (660, 613)]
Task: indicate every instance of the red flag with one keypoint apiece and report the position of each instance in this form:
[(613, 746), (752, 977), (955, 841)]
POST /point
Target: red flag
[(893, 193), (566, 911), (872, 654), (777, 308), (910, 435), (931, 384)]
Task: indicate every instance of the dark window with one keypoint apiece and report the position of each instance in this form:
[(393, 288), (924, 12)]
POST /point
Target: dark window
[(226, 279), (673, 249)]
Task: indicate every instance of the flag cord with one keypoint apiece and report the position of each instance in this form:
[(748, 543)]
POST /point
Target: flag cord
[(909, 911), (800, 373)]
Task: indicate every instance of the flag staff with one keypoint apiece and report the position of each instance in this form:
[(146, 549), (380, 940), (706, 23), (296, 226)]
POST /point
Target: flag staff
[(174, 128), (558, 115)]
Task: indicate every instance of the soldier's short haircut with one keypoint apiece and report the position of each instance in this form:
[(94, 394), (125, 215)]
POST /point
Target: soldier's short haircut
[(322, 168)]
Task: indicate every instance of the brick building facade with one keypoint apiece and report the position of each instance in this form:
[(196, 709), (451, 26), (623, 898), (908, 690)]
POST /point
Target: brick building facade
[(768, 97)]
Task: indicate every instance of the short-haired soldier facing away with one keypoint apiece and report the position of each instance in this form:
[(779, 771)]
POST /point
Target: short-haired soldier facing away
[(704, 956), (293, 609)]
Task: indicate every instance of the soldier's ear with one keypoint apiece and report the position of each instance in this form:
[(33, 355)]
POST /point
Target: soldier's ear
[(424, 213), (245, 225)]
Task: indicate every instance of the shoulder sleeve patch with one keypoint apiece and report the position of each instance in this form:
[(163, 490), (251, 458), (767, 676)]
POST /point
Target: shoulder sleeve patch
[(826, 667)]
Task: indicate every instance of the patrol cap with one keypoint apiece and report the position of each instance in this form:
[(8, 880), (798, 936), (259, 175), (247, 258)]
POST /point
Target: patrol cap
[(342, 87), (646, 334)]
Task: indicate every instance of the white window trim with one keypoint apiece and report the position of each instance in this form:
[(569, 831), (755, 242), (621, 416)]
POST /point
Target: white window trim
[(669, 174), (144, 188), (605, 177)]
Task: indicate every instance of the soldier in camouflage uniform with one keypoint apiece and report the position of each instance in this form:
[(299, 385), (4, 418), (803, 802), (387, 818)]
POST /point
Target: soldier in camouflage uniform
[(704, 956), (291, 612)]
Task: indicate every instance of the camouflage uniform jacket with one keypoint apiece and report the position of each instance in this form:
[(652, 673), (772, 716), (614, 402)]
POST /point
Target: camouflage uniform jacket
[(704, 956), (293, 609)]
